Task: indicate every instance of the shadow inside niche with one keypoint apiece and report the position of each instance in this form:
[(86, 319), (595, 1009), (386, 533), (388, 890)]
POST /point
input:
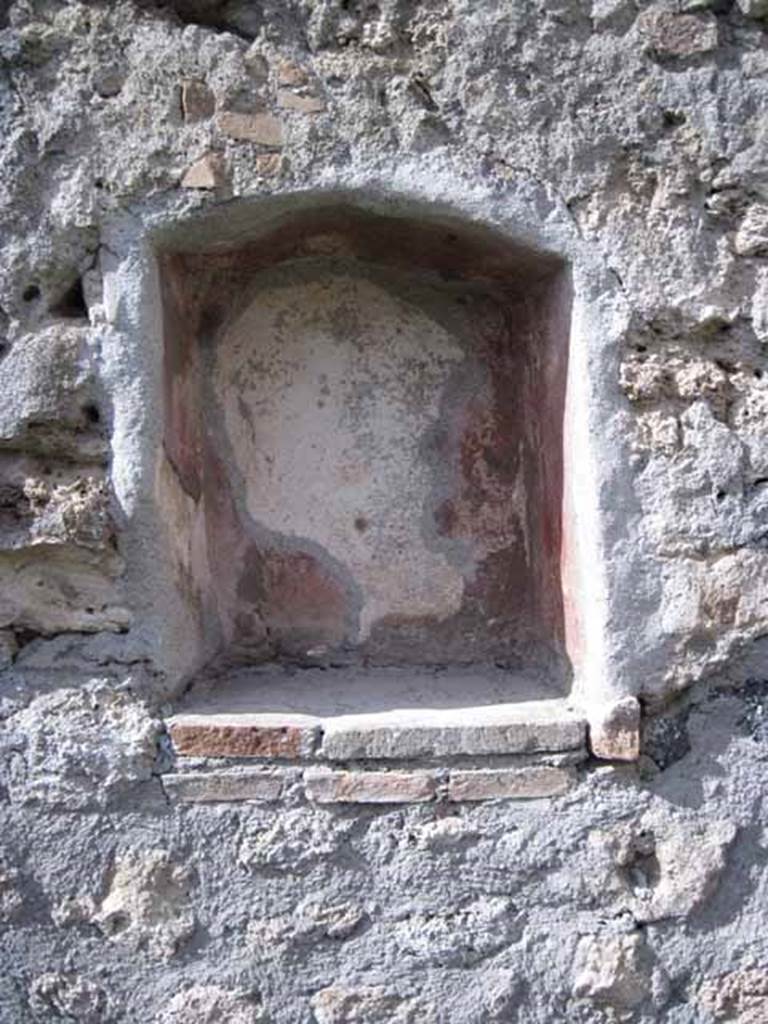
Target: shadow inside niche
[(72, 305)]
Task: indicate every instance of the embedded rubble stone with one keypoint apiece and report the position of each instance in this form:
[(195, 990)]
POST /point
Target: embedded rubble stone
[(312, 922), (752, 237), (657, 432), (753, 8), (670, 34), (77, 910), (197, 101), (461, 937), (668, 866), (206, 173), (58, 560), (210, 1004), (8, 647), (75, 512), (303, 104), (47, 381), (366, 1004), (11, 897), (267, 165), (740, 996), (61, 589), (256, 63), (613, 969), (296, 841), (290, 73), (445, 834), (147, 905), (614, 733), (659, 376), (67, 996), (265, 129), (77, 747)]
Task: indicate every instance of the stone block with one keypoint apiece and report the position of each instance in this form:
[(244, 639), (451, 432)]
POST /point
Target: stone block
[(329, 787), (147, 906), (205, 173), (267, 165), (614, 734), (238, 736), (529, 783), (263, 128), (223, 786), (290, 73), (615, 969), (256, 63), (668, 34), (197, 101), (514, 729), (303, 104)]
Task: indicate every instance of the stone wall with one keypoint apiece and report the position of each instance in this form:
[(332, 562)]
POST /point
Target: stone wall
[(625, 140)]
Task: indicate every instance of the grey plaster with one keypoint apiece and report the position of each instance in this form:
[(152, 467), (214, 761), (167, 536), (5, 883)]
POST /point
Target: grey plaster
[(627, 140)]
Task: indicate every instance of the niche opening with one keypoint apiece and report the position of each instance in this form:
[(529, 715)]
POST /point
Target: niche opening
[(363, 450)]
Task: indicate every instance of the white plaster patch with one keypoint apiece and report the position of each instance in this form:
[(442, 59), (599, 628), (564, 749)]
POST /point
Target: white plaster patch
[(328, 389)]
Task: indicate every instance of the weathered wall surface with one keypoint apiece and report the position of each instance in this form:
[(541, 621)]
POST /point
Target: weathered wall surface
[(632, 138)]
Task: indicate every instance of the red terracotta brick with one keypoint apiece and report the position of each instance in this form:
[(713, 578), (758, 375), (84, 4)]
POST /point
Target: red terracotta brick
[(240, 739)]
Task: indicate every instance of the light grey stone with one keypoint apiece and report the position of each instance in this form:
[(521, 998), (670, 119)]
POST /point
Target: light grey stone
[(362, 787), (147, 903), (614, 969), (67, 996), (509, 783), (752, 237), (515, 729), (206, 1004), (223, 786)]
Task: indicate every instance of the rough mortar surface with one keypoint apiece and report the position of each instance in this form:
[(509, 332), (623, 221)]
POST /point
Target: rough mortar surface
[(625, 138)]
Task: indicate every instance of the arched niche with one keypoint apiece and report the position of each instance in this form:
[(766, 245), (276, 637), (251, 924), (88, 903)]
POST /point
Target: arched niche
[(363, 443)]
